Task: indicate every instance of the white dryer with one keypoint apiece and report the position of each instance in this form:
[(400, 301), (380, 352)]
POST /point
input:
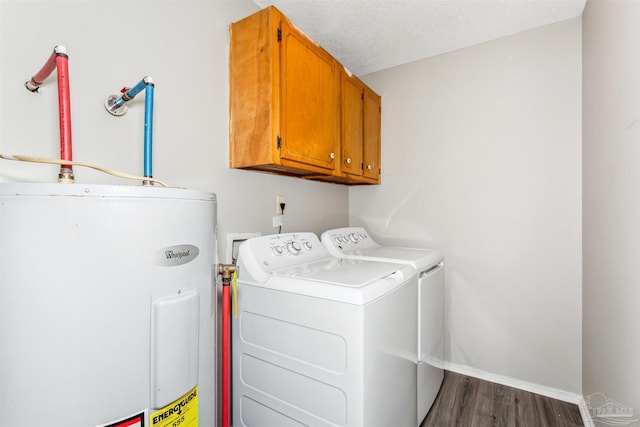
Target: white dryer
[(319, 340), (355, 243)]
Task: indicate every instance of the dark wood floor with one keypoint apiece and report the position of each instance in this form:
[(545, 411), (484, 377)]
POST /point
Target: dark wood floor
[(470, 402)]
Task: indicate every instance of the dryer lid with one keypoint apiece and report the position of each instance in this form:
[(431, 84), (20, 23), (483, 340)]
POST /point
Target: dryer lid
[(355, 243), (416, 258)]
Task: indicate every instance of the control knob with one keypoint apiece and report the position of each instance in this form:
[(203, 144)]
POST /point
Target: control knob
[(293, 248)]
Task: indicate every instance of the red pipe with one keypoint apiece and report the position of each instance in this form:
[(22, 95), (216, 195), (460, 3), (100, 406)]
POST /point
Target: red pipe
[(60, 61), (64, 105), (44, 72), (225, 351)]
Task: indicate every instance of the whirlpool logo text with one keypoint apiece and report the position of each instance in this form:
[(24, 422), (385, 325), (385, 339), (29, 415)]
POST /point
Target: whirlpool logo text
[(176, 255)]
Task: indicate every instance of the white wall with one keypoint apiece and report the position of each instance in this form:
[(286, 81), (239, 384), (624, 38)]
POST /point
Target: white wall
[(611, 206), (481, 159), (183, 45)]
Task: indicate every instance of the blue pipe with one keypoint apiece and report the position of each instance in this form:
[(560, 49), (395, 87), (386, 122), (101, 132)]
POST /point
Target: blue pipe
[(130, 93), (148, 86), (148, 129)]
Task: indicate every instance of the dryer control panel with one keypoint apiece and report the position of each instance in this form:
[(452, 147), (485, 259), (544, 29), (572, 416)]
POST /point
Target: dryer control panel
[(345, 240)]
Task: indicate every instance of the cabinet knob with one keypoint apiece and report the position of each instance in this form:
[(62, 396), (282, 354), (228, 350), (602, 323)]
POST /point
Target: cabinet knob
[(369, 167), (348, 160), (332, 156)]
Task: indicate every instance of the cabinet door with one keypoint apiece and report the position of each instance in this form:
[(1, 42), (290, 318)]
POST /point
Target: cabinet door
[(253, 61), (372, 141), (310, 121), (352, 125)]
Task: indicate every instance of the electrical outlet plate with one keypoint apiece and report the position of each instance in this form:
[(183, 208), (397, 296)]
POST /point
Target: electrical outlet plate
[(278, 221), (279, 199), (233, 242)]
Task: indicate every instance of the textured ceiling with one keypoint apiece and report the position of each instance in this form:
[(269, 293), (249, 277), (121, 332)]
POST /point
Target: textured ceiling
[(371, 35)]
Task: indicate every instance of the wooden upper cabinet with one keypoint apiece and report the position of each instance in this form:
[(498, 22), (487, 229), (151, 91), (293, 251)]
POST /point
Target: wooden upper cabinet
[(310, 125), (361, 120), (352, 124), (372, 136), (286, 104)]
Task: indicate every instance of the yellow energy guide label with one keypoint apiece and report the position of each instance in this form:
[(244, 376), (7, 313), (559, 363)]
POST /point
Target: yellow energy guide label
[(181, 413)]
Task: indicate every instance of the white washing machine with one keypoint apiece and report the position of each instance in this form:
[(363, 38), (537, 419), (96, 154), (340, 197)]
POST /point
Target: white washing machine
[(355, 243), (319, 340)]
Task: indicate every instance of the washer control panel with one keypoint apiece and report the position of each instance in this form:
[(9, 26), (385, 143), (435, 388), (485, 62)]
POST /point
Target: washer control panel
[(285, 245), (269, 253), (293, 245)]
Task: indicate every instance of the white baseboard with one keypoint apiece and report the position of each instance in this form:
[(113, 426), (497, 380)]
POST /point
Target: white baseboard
[(554, 393), (586, 418)]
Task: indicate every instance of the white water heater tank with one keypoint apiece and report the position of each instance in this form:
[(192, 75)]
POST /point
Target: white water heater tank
[(107, 306)]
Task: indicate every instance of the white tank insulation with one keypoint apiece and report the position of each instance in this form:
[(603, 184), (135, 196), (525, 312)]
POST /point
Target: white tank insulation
[(107, 315)]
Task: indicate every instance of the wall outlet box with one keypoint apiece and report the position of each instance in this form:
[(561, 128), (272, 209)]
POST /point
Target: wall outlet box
[(233, 243), (278, 220)]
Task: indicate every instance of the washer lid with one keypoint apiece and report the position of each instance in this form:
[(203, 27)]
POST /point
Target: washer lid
[(298, 263), (344, 280), (340, 271)]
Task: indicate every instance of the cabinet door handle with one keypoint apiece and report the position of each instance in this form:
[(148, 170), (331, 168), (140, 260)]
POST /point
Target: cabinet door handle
[(332, 156), (348, 160), (369, 167)]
